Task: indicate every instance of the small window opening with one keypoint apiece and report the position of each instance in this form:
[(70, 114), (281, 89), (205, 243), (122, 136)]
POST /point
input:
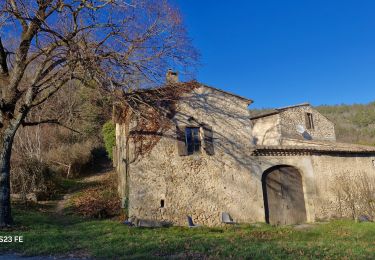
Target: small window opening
[(193, 140), (373, 163), (309, 121), (162, 203)]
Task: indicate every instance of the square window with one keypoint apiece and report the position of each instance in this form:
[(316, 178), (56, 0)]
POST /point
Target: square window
[(192, 140)]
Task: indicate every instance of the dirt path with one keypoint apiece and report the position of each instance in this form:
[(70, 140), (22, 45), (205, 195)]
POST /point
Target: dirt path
[(62, 204), (58, 209), (95, 177)]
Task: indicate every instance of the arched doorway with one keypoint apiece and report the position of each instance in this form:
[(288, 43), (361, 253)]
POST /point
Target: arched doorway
[(284, 201)]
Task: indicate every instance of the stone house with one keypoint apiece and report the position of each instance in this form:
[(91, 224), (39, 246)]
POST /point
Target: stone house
[(289, 124), (282, 167)]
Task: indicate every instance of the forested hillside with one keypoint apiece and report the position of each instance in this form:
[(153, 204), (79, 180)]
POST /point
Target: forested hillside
[(353, 123)]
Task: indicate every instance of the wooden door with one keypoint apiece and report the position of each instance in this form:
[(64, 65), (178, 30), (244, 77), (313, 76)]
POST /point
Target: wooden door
[(284, 198)]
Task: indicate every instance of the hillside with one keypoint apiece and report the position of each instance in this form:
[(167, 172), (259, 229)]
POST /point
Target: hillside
[(353, 123)]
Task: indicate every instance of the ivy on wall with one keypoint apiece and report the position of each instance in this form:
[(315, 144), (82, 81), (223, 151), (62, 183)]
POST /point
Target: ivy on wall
[(109, 137)]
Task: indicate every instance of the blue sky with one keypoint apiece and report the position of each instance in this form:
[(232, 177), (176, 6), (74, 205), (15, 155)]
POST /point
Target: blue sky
[(286, 52)]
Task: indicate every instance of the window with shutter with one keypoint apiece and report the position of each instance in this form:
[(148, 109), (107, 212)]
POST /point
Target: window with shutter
[(309, 121), (189, 140), (193, 142), (208, 140), (180, 136)]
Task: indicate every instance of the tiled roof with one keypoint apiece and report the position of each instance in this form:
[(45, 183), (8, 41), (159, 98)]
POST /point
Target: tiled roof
[(313, 148), (186, 87), (229, 93), (278, 110)]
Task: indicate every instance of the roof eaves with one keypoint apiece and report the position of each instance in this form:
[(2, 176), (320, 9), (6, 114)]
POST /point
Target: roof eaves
[(305, 149), (265, 115), (249, 101), (293, 106), (278, 110)]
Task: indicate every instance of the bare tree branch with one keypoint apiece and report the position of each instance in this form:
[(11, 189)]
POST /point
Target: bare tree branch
[(49, 121), (111, 45), (3, 60)]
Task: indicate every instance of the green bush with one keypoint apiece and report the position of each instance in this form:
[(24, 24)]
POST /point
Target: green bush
[(109, 136)]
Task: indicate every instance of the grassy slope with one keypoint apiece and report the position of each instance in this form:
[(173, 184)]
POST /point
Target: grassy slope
[(353, 123), (45, 234)]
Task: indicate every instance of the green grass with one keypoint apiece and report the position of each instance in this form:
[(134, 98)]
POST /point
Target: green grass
[(46, 234)]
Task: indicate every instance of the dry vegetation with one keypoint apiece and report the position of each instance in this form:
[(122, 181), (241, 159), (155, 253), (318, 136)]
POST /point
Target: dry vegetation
[(353, 123), (100, 201), (43, 155), (355, 195)]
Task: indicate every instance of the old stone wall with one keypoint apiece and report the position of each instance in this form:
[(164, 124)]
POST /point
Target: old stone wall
[(344, 182), (281, 128), (333, 184), (267, 130), (120, 156), (200, 185), (323, 130), (166, 186)]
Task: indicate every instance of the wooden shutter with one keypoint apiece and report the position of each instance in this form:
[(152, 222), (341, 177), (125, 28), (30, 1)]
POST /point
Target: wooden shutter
[(180, 137), (309, 121), (208, 140)]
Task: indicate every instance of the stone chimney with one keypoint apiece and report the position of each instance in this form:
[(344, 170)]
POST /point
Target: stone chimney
[(171, 76)]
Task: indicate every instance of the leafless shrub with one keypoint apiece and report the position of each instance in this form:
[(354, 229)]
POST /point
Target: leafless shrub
[(70, 160), (355, 194), (33, 176)]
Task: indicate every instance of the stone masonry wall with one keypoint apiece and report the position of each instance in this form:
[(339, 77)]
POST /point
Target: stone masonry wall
[(203, 186), (266, 130), (335, 173), (322, 179), (324, 129), (200, 185)]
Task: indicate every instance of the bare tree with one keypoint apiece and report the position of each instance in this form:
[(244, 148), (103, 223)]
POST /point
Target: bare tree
[(111, 44)]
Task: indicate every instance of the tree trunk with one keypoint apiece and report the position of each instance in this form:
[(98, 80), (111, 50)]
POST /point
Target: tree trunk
[(5, 154)]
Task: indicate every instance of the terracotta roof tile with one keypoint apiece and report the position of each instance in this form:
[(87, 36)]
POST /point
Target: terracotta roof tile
[(314, 147)]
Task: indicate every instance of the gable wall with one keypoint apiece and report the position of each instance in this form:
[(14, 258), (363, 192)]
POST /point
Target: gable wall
[(289, 119)]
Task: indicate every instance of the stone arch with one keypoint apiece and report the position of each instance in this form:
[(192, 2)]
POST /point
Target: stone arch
[(283, 195)]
